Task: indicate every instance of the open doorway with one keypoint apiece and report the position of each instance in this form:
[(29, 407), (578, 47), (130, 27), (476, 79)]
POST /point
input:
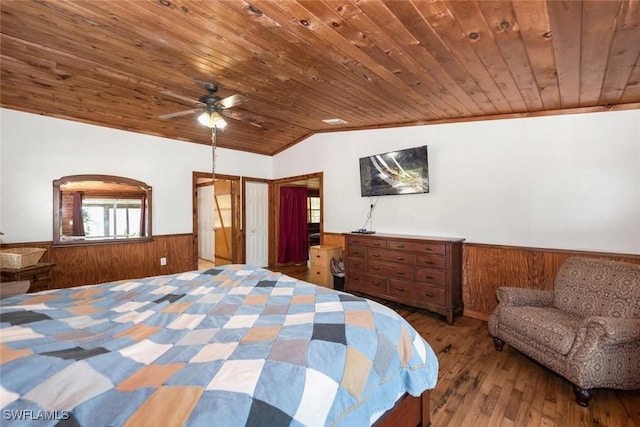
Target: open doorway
[(313, 184), (216, 220)]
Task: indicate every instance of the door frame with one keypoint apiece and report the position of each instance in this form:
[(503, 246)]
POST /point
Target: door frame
[(235, 223), (274, 210)]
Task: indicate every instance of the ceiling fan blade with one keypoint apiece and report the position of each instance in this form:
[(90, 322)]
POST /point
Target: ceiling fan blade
[(238, 116), (183, 98), (231, 101), (181, 113)]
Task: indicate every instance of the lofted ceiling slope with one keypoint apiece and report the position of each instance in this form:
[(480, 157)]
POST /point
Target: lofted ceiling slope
[(369, 63)]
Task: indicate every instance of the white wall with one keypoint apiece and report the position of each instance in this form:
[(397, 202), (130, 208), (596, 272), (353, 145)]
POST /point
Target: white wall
[(35, 150), (563, 182)]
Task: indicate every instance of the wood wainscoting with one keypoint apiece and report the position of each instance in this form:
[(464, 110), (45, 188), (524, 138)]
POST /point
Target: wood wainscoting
[(487, 267), (91, 264)]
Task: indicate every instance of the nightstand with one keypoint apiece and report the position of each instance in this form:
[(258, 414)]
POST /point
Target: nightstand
[(38, 274), (321, 264)]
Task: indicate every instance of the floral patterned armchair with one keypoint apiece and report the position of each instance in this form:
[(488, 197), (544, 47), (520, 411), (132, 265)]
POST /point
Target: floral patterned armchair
[(587, 329)]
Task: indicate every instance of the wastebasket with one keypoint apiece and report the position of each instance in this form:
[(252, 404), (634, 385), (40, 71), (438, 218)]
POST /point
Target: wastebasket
[(337, 269)]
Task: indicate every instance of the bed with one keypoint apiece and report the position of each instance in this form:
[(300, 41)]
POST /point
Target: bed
[(234, 345)]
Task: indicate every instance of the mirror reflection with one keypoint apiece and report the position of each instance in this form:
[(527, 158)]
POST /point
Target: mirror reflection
[(100, 208)]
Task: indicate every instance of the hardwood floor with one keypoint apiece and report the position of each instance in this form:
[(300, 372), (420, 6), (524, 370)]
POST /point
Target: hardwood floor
[(479, 386), (203, 263)]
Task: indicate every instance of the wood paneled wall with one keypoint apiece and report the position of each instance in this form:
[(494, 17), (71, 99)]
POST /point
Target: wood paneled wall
[(91, 264), (484, 267), (487, 267)]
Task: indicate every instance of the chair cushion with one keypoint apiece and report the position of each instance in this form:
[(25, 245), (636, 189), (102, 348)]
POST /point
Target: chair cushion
[(547, 326)]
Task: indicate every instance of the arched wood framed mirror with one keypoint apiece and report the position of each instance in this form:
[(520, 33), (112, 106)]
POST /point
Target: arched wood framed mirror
[(91, 209)]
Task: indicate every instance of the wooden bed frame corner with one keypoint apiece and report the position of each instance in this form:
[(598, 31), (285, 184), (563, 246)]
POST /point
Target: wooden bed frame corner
[(409, 411)]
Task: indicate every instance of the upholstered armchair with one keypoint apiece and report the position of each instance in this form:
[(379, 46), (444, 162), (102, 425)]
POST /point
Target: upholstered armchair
[(587, 329)]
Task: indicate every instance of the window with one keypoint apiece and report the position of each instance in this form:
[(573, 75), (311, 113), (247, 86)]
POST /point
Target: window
[(313, 209), (90, 209), (111, 218)]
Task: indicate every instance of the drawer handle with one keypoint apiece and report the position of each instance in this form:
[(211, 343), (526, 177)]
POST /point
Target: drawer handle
[(428, 249), (317, 272), (400, 258), (400, 246), (400, 272), (429, 262), (375, 268), (317, 256), (376, 244), (375, 255), (376, 283), (429, 294), (428, 277), (400, 289)]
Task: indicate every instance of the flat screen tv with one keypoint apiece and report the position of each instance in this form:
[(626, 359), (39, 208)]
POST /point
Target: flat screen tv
[(396, 172)]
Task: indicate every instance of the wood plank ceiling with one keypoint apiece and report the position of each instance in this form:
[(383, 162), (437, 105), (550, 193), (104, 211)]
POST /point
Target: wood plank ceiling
[(370, 63)]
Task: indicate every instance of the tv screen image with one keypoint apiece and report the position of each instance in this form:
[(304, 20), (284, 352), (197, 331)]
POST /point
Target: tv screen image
[(396, 172)]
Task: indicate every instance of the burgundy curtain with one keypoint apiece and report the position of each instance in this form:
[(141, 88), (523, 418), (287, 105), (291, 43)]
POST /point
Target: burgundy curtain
[(78, 224), (293, 246), (143, 216)]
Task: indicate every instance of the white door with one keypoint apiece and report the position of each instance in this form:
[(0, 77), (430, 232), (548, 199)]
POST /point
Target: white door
[(256, 210), (206, 224)]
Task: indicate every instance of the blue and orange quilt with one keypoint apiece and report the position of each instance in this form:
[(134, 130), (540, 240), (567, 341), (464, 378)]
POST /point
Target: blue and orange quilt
[(228, 346)]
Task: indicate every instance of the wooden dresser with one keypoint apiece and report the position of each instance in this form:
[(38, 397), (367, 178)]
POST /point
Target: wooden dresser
[(320, 264), (38, 274), (424, 272)]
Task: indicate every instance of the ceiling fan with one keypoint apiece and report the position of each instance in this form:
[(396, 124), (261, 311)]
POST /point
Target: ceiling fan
[(212, 108)]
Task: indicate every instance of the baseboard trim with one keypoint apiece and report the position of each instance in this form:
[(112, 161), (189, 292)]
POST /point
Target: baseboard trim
[(475, 315)]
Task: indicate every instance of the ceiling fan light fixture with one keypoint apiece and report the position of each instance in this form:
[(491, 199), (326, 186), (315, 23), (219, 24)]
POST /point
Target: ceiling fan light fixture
[(212, 120)]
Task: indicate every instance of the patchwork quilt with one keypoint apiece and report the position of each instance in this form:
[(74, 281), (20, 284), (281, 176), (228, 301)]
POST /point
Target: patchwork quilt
[(229, 346)]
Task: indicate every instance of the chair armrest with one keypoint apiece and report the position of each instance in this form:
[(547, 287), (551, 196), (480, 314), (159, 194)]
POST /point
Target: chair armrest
[(615, 330), (523, 296), (606, 330)]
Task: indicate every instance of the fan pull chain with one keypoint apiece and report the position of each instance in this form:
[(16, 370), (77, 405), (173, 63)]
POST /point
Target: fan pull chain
[(213, 153)]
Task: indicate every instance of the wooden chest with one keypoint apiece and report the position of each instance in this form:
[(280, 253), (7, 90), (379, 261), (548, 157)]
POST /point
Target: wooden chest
[(38, 274)]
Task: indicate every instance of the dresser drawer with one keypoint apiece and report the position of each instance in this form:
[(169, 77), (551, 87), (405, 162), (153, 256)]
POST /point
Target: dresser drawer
[(321, 276), (431, 276), (367, 241), (322, 254), (365, 283), (418, 292), (396, 271), (417, 247), (319, 257), (431, 261), (356, 251), (356, 264), (391, 256)]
